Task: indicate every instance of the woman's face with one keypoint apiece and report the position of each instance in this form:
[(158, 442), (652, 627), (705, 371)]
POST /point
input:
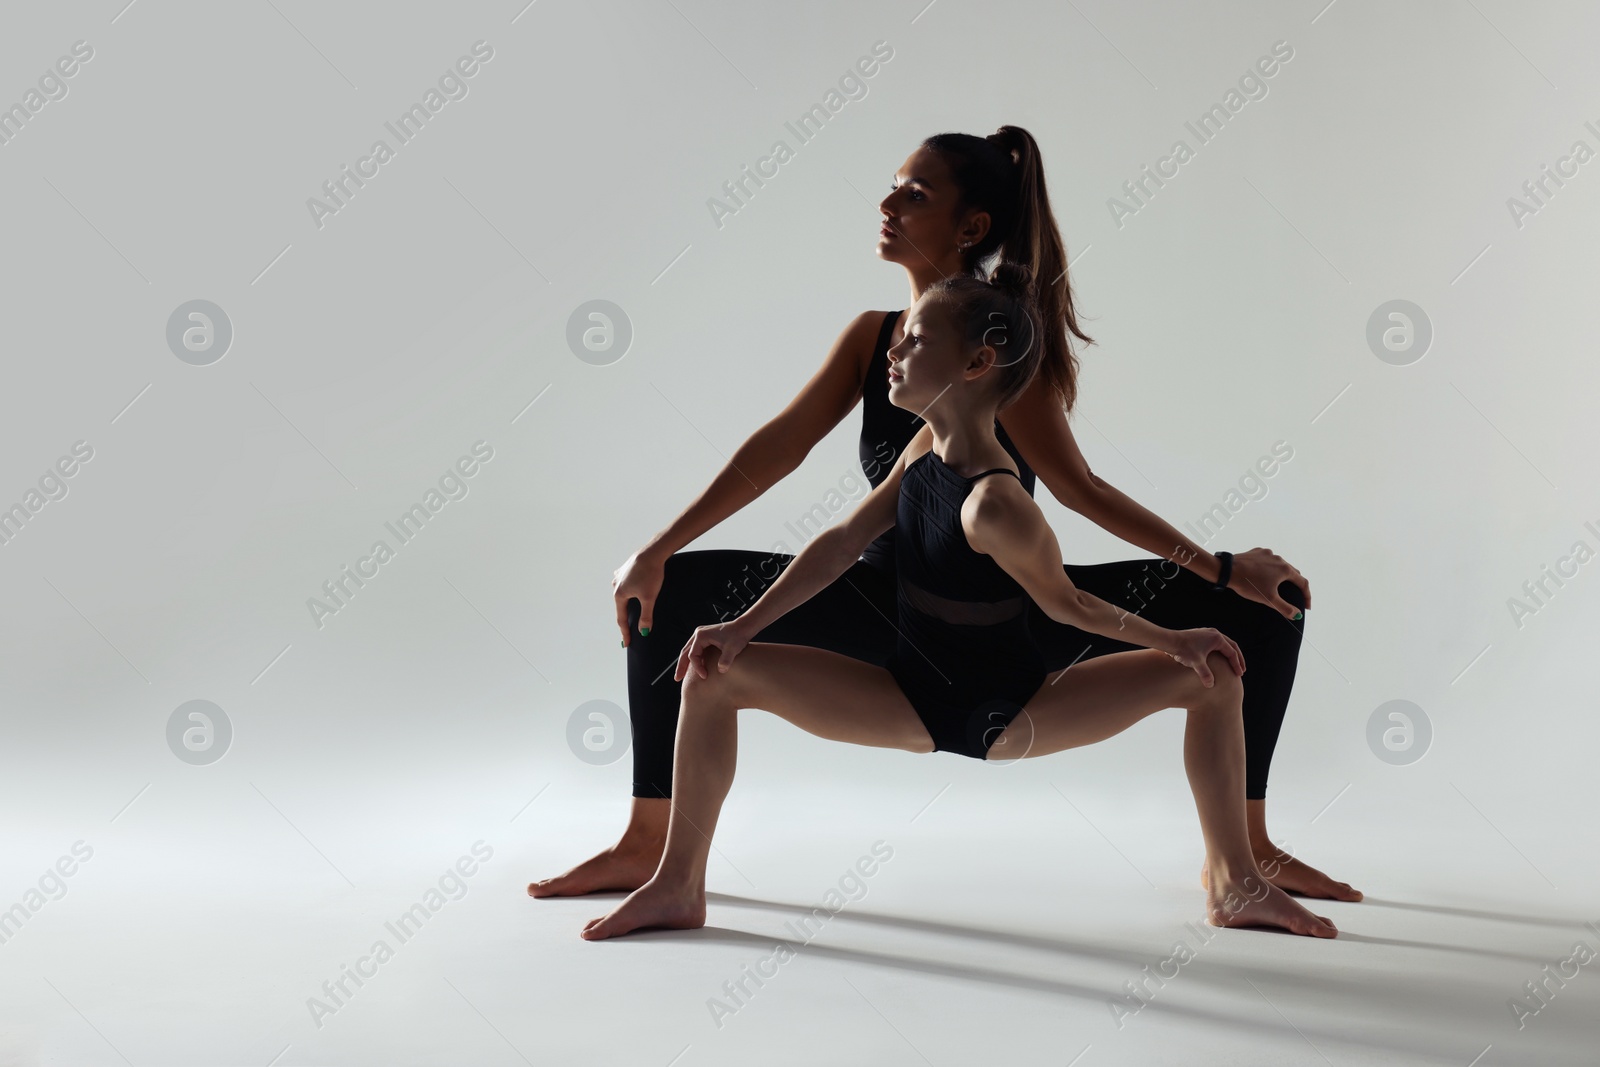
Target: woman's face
[(920, 227), (927, 360)]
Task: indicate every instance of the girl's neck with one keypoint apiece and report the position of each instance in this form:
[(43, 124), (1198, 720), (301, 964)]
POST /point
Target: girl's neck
[(966, 442)]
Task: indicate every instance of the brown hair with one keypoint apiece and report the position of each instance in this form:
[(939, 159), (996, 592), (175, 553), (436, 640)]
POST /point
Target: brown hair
[(998, 313), (1004, 175)]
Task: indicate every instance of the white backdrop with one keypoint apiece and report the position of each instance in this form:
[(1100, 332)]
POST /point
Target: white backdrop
[(1396, 153)]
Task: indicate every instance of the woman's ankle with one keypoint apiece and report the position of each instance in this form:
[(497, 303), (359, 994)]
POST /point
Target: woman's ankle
[(647, 825)]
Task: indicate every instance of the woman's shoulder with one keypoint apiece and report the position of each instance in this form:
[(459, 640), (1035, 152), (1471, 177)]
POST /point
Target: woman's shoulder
[(862, 335), (870, 322)]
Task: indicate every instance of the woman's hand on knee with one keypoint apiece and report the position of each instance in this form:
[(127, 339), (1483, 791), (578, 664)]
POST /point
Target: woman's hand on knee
[(1193, 648), (640, 577), (1258, 573), (727, 639)]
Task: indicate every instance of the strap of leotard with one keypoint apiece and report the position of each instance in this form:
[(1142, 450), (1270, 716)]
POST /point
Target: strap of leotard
[(998, 470)]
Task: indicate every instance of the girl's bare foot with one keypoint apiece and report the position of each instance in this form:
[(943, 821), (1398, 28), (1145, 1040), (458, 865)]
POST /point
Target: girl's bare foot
[(1286, 872), (653, 905), (1251, 901), (623, 866)]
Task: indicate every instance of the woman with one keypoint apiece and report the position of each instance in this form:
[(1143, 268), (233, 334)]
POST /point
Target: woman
[(957, 202), (973, 554)]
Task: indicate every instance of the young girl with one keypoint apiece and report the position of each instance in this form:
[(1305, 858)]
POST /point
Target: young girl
[(956, 204), (965, 676)]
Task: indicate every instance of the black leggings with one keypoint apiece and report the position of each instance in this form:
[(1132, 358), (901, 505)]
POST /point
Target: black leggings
[(855, 616)]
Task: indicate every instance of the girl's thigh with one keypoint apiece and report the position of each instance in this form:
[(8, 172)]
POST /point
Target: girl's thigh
[(1096, 700), (825, 693)]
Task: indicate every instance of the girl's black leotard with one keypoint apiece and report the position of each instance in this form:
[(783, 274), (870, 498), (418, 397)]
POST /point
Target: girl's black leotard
[(964, 657), (855, 615)]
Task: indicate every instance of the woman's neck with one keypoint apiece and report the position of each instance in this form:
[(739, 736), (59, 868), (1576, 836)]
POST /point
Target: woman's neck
[(924, 274)]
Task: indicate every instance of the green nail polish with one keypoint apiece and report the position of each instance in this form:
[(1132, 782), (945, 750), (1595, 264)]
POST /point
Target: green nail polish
[(1298, 614), (645, 631), (624, 644)]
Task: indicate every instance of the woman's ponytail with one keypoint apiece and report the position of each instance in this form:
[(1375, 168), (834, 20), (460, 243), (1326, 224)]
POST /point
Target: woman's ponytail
[(1003, 174), (1035, 242)]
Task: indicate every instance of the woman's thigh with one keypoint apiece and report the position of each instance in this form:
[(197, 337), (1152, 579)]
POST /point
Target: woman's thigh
[(1163, 593), (852, 615)]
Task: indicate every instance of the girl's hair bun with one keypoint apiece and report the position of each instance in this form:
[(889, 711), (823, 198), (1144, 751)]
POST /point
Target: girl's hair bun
[(1014, 279)]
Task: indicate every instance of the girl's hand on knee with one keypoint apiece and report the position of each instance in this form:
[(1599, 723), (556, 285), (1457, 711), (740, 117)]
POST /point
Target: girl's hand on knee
[(727, 638), (1192, 648)]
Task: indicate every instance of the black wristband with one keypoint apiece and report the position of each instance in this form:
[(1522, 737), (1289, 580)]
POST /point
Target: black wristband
[(1227, 569)]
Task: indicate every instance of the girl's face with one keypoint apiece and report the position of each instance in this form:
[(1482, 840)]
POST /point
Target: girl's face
[(920, 226), (928, 359)]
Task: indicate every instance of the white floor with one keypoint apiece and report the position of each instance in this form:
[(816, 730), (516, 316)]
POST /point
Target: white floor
[(1011, 910)]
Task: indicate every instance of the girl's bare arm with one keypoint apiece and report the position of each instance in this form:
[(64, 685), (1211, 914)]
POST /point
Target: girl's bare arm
[(823, 559), (831, 552), (1002, 520)]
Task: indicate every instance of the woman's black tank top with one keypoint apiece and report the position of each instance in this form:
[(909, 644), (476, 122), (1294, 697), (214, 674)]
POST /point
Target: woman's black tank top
[(886, 430)]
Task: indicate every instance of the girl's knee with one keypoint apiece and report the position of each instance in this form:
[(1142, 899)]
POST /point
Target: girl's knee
[(705, 692), (1226, 688)]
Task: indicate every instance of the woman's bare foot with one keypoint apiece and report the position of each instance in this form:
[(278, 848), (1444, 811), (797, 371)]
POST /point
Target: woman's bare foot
[(1250, 901), (652, 905), (623, 866), (1296, 876), (627, 865)]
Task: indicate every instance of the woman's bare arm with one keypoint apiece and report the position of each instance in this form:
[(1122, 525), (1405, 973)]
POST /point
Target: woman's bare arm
[(1039, 428), (765, 458)]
